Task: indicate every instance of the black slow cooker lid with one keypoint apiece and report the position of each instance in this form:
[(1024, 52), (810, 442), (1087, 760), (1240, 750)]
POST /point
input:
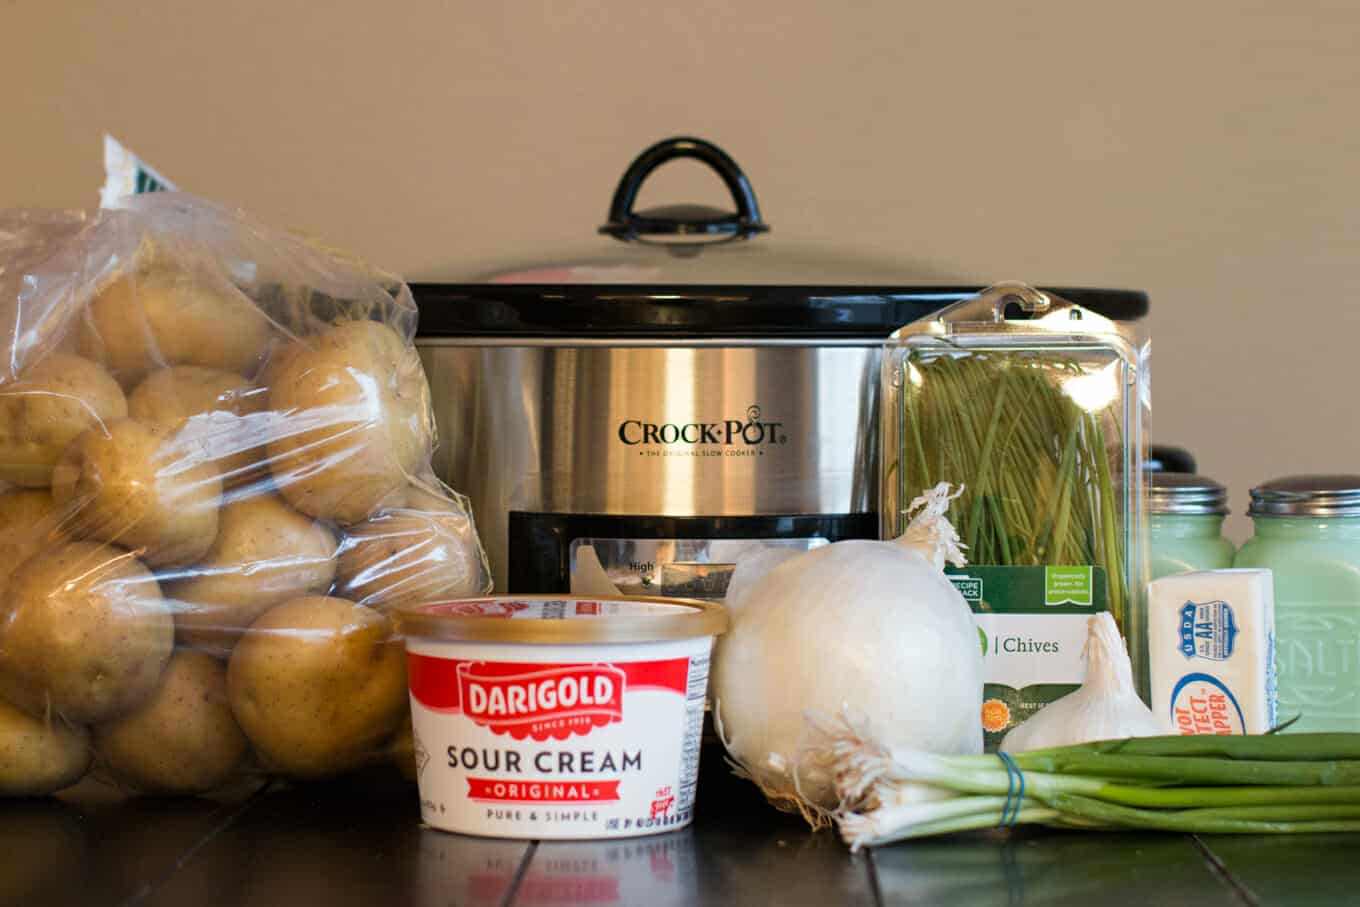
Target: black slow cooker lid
[(756, 312), (694, 270)]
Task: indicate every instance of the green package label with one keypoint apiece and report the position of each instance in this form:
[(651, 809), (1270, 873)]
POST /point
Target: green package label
[(1031, 590), (1032, 627), (1068, 586), (969, 588)]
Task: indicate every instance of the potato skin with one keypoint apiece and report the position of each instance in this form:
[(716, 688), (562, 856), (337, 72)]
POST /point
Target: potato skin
[(221, 410), (265, 553), (83, 631), (163, 317), (318, 684), (39, 756), (402, 749), (46, 408), (405, 555), (352, 420), (143, 486), (173, 395), (26, 510), (29, 522), (183, 739)]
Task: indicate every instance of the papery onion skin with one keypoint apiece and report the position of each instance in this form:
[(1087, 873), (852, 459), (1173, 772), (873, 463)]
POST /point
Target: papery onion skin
[(872, 628)]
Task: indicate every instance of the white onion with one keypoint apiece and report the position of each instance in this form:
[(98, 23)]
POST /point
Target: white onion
[(873, 629), (750, 567)]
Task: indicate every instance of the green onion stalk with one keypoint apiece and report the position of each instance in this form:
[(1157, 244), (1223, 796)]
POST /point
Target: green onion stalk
[(1257, 784), (1034, 462)]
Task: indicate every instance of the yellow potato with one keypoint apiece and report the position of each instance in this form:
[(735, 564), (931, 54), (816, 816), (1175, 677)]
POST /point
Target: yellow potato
[(410, 554), (143, 486), (275, 358), (161, 317), (183, 740), (352, 420), (39, 756), (84, 633), (221, 411), (402, 749), (29, 522), (265, 553), (426, 492), (46, 408), (318, 684), (23, 510)]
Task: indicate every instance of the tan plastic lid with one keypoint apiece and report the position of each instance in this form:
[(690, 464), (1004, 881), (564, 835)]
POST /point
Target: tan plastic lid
[(563, 619)]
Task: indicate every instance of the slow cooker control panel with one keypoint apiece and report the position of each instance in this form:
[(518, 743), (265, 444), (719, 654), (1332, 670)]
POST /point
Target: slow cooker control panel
[(680, 568), (680, 557)]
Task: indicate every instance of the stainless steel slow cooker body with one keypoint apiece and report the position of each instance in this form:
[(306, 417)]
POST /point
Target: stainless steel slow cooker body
[(624, 436), (732, 428)]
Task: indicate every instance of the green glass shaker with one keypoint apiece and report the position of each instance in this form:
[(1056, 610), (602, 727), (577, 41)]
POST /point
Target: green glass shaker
[(1308, 532), (1185, 524)]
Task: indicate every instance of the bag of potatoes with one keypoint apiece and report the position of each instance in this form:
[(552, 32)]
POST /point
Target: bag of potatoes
[(215, 481)]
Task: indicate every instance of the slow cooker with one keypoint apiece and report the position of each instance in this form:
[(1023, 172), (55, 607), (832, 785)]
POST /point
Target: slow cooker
[(633, 423)]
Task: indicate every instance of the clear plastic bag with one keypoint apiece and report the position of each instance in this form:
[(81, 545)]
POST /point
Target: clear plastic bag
[(215, 439)]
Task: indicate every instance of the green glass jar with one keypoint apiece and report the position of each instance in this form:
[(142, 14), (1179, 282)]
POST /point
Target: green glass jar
[(1185, 524), (1308, 532)]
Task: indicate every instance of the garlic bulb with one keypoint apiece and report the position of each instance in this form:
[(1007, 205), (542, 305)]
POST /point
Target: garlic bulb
[(1104, 707)]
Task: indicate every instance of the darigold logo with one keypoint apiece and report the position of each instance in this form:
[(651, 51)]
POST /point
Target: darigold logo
[(752, 431), (541, 702)]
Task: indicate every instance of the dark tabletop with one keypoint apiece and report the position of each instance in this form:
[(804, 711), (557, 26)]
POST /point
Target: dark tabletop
[(359, 843)]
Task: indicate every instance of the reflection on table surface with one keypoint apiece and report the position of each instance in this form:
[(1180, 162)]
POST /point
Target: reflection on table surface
[(359, 842), (658, 871)]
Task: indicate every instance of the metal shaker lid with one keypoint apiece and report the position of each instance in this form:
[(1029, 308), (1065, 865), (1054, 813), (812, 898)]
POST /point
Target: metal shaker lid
[(1183, 493), (1315, 496)]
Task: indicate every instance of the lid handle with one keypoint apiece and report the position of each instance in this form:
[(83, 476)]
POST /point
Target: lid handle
[(704, 224)]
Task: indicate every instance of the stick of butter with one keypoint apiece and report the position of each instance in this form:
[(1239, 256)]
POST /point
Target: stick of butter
[(1211, 651)]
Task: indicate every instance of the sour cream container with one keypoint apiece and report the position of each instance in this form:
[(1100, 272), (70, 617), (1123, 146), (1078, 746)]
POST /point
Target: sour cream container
[(552, 717)]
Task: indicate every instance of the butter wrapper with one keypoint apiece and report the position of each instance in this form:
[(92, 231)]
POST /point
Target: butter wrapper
[(1211, 649)]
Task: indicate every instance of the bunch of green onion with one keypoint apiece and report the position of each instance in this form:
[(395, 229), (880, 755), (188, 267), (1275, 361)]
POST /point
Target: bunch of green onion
[(1257, 784), (1033, 460)]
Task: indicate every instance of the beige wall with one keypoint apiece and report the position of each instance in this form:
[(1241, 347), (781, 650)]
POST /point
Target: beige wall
[(1206, 151)]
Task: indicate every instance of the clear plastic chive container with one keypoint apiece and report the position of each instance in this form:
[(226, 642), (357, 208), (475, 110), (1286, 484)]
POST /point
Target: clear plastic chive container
[(1036, 408), (1308, 532), (1185, 524)]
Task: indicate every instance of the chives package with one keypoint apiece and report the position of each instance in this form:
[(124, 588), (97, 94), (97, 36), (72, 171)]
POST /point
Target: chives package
[(1037, 407)]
